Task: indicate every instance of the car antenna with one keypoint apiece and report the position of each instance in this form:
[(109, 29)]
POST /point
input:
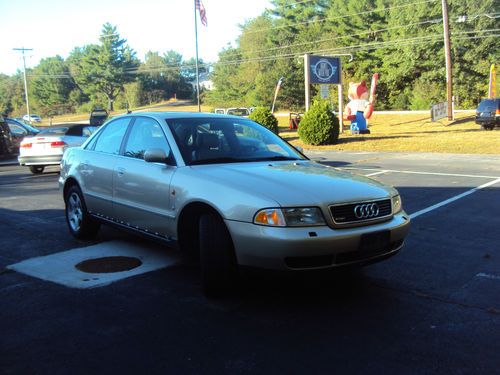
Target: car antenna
[(128, 110)]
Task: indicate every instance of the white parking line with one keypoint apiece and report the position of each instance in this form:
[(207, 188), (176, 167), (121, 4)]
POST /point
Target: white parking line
[(422, 173), (376, 173), (488, 276), (453, 199)]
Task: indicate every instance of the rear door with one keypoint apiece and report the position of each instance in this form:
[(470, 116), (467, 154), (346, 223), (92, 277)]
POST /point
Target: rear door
[(18, 133), (141, 197), (96, 167)]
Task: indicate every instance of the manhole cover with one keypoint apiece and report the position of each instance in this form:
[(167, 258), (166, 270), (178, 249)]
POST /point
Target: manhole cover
[(108, 264)]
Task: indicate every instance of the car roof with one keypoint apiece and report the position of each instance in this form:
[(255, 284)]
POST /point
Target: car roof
[(180, 115), (59, 127)]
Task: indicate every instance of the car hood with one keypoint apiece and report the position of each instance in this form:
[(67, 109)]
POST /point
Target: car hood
[(296, 183)]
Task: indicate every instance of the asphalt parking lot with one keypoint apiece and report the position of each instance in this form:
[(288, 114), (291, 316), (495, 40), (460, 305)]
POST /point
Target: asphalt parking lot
[(432, 309)]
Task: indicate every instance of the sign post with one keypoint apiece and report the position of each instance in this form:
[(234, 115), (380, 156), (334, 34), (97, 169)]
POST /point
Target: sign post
[(439, 111), (325, 70)]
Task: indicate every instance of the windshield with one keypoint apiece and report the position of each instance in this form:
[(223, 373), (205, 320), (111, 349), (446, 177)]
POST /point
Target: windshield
[(222, 140)]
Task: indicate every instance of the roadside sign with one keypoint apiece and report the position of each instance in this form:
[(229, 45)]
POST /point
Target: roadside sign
[(324, 70), (324, 91), (439, 111)]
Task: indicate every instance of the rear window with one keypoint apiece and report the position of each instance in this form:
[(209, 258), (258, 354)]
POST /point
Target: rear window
[(489, 105), (54, 131), (238, 111)]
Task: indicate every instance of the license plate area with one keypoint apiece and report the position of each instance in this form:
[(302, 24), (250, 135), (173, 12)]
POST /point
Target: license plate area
[(40, 146), (375, 242)]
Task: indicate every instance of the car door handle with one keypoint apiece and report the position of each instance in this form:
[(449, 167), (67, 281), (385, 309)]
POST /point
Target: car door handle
[(120, 171)]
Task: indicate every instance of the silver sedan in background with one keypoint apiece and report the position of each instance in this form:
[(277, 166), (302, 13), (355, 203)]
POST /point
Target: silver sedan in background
[(48, 146), (228, 189)]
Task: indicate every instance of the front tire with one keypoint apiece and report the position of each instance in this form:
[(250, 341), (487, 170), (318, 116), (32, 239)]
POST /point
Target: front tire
[(80, 223), (219, 269), (37, 169)]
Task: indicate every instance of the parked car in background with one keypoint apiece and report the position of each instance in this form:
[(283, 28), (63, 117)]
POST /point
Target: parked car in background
[(98, 117), (488, 113), (229, 190), (241, 111), (48, 146), (8, 143), (32, 118)]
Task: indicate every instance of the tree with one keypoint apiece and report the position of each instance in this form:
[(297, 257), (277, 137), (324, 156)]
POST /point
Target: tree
[(51, 85), (5, 99), (105, 68), (12, 94)]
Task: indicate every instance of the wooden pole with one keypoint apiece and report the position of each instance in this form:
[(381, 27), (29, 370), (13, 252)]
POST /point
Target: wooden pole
[(447, 52)]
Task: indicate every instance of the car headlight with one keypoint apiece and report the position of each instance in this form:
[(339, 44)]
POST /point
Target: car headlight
[(290, 217), (397, 205)]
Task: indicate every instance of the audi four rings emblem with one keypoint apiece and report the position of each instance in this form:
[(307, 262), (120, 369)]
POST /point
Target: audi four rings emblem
[(366, 211)]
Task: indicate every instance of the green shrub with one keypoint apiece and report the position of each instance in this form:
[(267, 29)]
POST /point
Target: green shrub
[(263, 116), (319, 126)]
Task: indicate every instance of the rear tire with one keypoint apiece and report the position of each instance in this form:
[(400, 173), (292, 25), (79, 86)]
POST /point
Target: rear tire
[(37, 169), (80, 223), (219, 269)]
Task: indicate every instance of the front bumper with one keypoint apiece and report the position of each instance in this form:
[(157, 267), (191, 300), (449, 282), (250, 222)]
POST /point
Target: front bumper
[(40, 160), (304, 248)]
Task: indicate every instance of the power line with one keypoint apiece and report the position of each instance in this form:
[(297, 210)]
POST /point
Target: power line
[(344, 16), (297, 3), (368, 32), (357, 47), (362, 47)]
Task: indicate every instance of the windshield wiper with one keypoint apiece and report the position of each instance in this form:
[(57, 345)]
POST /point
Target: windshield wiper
[(275, 158), (225, 159)]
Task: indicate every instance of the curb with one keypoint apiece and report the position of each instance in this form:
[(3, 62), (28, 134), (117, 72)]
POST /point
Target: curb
[(8, 162)]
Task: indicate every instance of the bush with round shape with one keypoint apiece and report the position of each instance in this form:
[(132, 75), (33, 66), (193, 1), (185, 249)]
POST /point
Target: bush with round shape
[(319, 126), (263, 116)]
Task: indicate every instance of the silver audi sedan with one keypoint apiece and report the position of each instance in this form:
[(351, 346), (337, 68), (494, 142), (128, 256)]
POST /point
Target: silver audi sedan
[(229, 190)]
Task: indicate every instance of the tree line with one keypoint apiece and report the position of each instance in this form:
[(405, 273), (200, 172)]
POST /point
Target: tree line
[(402, 40), (107, 75)]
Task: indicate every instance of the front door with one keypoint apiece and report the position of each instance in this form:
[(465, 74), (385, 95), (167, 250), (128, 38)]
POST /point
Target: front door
[(141, 196)]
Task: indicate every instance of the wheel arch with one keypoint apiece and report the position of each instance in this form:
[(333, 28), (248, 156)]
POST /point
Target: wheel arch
[(70, 182), (188, 225)]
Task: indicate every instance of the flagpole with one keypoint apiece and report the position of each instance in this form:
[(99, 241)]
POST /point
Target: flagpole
[(197, 73)]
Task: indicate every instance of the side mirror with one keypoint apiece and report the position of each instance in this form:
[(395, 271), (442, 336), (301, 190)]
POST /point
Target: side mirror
[(155, 155)]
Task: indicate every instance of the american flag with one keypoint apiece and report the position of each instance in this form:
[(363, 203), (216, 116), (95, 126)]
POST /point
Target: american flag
[(203, 12)]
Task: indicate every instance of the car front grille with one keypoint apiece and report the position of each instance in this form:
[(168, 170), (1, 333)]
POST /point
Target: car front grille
[(354, 213)]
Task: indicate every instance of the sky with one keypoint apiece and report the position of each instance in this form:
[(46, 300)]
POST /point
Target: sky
[(56, 27)]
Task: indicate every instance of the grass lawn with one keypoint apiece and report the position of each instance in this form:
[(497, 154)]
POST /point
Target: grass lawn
[(410, 132)]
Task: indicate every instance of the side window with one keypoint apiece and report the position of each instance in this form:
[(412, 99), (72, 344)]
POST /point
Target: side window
[(146, 134), (75, 131), (17, 130), (88, 130), (111, 137)]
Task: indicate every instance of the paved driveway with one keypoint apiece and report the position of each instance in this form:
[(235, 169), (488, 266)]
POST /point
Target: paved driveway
[(433, 308)]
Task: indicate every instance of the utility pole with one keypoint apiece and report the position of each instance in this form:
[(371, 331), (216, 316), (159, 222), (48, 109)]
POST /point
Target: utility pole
[(25, 81), (447, 52)]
